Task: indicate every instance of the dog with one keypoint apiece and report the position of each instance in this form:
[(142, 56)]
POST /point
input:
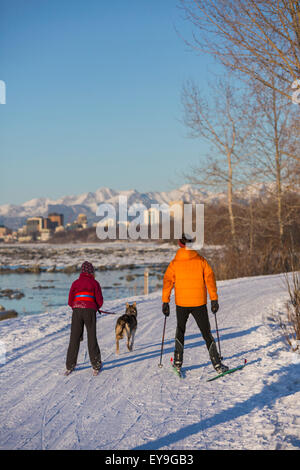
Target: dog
[(127, 323)]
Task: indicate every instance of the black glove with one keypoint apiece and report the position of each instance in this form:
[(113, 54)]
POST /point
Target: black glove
[(166, 309), (214, 306)]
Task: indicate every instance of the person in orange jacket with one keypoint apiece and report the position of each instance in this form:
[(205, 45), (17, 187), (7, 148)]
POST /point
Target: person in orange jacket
[(191, 276)]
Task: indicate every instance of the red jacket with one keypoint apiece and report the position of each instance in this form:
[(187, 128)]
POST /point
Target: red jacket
[(85, 292)]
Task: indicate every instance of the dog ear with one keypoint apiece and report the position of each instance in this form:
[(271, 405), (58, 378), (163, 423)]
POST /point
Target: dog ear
[(127, 304), (134, 304)]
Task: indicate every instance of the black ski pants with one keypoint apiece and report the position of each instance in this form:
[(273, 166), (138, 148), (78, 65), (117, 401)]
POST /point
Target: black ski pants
[(200, 315), (81, 317)]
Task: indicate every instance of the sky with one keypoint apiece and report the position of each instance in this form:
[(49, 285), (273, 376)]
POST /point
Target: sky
[(93, 97)]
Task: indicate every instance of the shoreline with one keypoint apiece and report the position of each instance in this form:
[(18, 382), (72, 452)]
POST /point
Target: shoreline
[(70, 269), (38, 258)]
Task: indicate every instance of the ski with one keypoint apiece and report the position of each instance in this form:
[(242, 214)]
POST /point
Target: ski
[(175, 370), (229, 371)]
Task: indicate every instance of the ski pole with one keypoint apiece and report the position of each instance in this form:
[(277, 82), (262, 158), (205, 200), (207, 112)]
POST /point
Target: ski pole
[(218, 337), (162, 343)]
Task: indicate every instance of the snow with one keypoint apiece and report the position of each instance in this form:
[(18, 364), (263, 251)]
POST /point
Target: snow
[(108, 254), (133, 404), (88, 202)]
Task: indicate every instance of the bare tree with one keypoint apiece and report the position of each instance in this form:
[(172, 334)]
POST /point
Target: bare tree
[(224, 124), (258, 38), (275, 142)]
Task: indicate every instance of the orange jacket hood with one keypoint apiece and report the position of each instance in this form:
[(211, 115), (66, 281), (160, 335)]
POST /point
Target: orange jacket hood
[(184, 254)]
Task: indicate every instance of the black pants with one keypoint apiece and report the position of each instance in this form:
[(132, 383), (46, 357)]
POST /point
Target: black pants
[(200, 315), (81, 317)]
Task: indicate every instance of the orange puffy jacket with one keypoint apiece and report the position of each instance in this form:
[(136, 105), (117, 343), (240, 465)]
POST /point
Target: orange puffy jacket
[(192, 276)]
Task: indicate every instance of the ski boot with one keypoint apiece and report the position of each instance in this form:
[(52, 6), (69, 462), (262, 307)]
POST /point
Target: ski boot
[(177, 363), (216, 359), (97, 370), (220, 368)]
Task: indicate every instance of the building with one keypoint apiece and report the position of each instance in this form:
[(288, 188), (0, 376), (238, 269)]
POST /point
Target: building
[(24, 238), (3, 231), (45, 234), (47, 224), (56, 219), (42, 227), (34, 225), (82, 220), (22, 231), (60, 228)]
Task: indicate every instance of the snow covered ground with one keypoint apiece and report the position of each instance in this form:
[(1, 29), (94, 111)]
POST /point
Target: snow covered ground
[(116, 254), (103, 255), (133, 404)]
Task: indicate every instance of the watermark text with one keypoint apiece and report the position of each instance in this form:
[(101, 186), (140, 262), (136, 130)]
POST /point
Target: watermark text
[(160, 221)]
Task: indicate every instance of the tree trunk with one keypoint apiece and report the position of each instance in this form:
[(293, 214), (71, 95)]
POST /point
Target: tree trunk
[(278, 169), (251, 231), (230, 198)]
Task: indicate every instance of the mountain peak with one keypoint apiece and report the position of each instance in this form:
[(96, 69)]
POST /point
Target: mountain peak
[(14, 216)]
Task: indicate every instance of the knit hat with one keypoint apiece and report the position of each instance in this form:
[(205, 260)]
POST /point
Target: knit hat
[(87, 268), (185, 240)]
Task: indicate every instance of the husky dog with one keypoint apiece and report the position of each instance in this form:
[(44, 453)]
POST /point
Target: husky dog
[(127, 322)]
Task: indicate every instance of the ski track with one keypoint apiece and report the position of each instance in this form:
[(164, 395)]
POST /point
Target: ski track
[(133, 404)]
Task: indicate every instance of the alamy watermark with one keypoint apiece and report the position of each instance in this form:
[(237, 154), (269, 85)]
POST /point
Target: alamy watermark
[(159, 221), (2, 92)]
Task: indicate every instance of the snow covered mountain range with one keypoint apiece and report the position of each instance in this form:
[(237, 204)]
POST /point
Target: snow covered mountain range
[(14, 216)]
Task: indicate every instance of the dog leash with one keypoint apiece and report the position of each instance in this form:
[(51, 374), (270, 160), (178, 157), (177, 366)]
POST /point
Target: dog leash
[(100, 311), (107, 313)]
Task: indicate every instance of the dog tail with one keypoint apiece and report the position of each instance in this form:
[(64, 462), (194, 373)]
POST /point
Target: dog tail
[(120, 327)]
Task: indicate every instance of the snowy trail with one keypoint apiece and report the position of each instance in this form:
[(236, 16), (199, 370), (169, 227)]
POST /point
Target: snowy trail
[(133, 404)]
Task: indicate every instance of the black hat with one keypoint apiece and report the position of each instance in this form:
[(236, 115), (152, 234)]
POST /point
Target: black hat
[(186, 239)]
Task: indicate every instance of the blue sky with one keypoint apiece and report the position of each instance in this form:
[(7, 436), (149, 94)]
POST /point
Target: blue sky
[(94, 96)]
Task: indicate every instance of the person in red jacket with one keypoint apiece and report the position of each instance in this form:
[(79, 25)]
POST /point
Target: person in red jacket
[(85, 298)]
